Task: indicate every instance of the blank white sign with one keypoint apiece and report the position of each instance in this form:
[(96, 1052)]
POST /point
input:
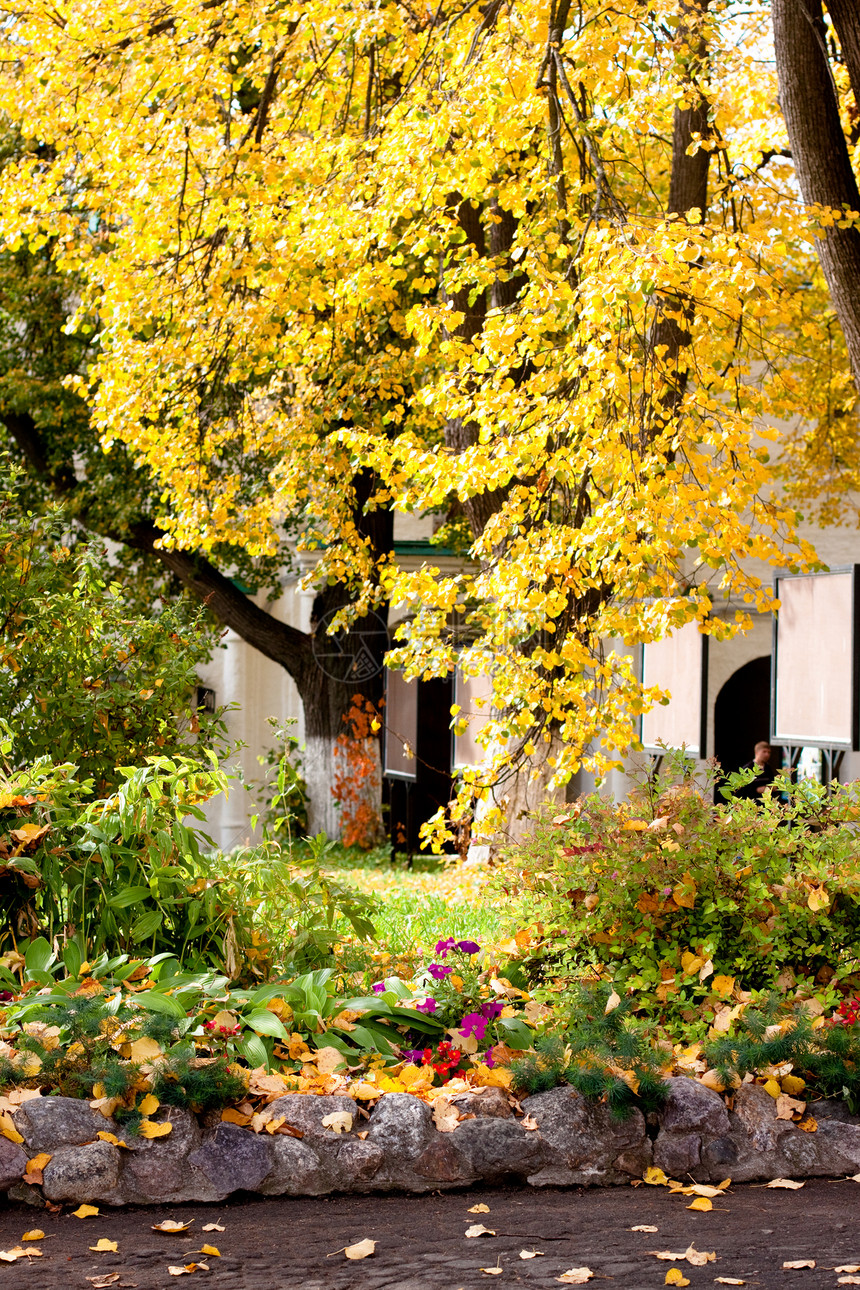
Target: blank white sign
[(401, 726), (676, 664), (814, 691), (468, 690)]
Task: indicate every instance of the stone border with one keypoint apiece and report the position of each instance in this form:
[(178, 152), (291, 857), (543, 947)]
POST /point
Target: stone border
[(396, 1146)]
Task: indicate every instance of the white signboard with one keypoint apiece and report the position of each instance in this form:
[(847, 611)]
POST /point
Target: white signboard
[(401, 726), (815, 691), (679, 664), (474, 696)]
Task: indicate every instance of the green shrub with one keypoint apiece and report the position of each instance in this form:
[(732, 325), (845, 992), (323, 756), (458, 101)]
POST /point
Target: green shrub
[(690, 907), (605, 1055)]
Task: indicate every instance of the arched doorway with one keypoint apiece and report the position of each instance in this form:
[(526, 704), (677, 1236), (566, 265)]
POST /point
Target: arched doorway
[(742, 715)]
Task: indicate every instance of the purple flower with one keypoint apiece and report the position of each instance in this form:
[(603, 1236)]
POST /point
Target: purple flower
[(378, 987), (473, 1024), (429, 1005), (438, 972), (667, 891), (442, 947), (488, 1059), (469, 947), (492, 1009), (413, 1055)]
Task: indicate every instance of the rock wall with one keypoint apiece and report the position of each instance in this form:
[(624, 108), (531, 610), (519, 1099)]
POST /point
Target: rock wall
[(559, 1140)]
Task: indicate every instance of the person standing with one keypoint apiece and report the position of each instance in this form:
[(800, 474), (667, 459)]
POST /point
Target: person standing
[(765, 773)]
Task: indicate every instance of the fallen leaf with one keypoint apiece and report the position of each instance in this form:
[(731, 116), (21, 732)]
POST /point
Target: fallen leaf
[(529, 1122), (362, 1249), (701, 1204), (729, 1281), (479, 1209), (171, 1225), (104, 1246), (7, 1128), (644, 1227), (786, 1107), (100, 1283), (148, 1104), (784, 1184), (112, 1139), (492, 1272), (231, 1116), (655, 1177), (445, 1116), (38, 1235), (612, 1003), (848, 1267), (795, 1264), (675, 1277), (12, 1256), (328, 1059), (212, 1250), (213, 1227), (37, 1164), (85, 1211), (808, 1124), (576, 1276), (698, 1258), (530, 1254), (848, 1281), (144, 1050), (338, 1121), (705, 1189), (152, 1129), (478, 1229)]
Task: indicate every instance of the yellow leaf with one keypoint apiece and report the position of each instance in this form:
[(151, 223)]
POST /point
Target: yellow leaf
[(113, 1139), (612, 1003), (148, 1104), (35, 1235), (684, 894), (675, 1277), (690, 962), (784, 1184), (171, 1225), (729, 1281), (478, 1229), (792, 1084), (7, 1128), (771, 1086), (144, 1050), (644, 1227), (151, 1129), (723, 986), (492, 1272), (211, 1250), (818, 899), (104, 1246), (530, 1254), (479, 1209), (361, 1250), (338, 1121), (655, 1177), (795, 1265), (576, 1276), (213, 1227), (38, 1162), (702, 1204), (231, 1116), (85, 1211), (809, 1124), (12, 1256)]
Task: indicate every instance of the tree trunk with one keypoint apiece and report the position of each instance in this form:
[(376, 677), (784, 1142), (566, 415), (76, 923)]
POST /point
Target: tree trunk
[(821, 158)]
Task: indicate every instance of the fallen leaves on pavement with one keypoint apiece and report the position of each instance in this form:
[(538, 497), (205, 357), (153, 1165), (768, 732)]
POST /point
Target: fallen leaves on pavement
[(36, 1234), (576, 1276), (361, 1249), (698, 1258), (701, 1204), (784, 1184), (530, 1254), (675, 1277), (85, 1211), (171, 1225), (479, 1209), (13, 1255), (794, 1264), (478, 1229), (104, 1246), (175, 1270), (644, 1227), (729, 1281), (213, 1227)]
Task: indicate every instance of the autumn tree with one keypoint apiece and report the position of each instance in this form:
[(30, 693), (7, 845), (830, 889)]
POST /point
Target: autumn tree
[(517, 262)]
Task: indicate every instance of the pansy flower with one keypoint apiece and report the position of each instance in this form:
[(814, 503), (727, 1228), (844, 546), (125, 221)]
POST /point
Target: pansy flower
[(473, 1024), (438, 971)]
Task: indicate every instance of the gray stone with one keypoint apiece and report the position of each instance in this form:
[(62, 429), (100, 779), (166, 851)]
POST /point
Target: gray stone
[(49, 1122), (583, 1144), (484, 1101), (692, 1108), (157, 1169), (13, 1162), (306, 1111), (83, 1173), (296, 1170), (355, 1163), (495, 1149), (441, 1162), (233, 1159), (402, 1128), (679, 1154)]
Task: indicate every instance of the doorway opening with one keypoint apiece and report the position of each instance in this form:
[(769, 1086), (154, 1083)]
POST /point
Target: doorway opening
[(742, 717)]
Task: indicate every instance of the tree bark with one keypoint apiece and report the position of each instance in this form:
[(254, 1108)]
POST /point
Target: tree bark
[(818, 145)]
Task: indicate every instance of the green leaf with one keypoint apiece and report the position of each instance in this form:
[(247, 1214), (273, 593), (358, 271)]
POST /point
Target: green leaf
[(265, 1023), (153, 1001), (39, 957), (254, 1050), (144, 926), (128, 896)]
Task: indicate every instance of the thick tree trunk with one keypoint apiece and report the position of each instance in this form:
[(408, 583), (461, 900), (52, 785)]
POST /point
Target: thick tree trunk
[(328, 672), (818, 145)]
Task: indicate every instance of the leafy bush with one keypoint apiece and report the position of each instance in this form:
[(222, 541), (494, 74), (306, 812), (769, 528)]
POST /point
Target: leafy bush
[(601, 1051), (690, 907), (770, 1038)]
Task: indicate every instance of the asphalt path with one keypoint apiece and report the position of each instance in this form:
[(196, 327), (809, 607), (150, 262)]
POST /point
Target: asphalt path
[(279, 1244)]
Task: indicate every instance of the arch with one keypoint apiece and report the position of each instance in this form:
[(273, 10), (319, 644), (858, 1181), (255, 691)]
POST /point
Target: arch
[(742, 715)]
